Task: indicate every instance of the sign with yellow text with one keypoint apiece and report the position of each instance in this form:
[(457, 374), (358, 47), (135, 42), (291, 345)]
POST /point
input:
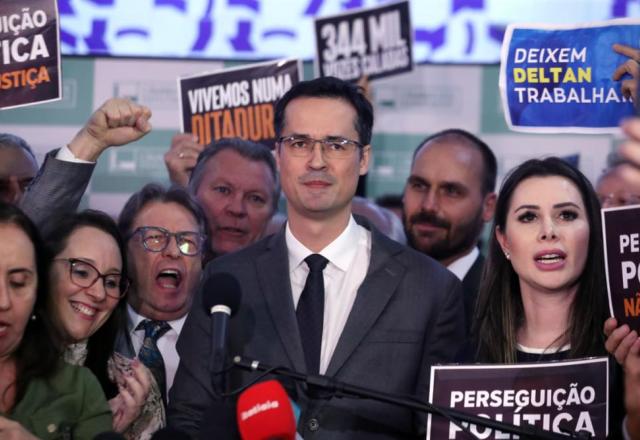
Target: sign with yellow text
[(556, 79), (29, 53), (236, 102)]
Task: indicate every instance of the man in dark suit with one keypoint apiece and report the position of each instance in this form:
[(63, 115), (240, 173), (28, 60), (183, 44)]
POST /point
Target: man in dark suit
[(374, 313), (448, 198)]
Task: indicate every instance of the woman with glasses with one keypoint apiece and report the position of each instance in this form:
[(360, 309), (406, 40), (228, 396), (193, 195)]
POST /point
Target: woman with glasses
[(40, 395), (88, 281)]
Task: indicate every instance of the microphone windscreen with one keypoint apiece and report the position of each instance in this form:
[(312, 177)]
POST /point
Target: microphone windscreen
[(264, 412), (221, 289)]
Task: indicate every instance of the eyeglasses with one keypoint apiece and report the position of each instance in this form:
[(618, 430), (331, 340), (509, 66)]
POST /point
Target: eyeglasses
[(332, 147), (618, 199), (156, 239), (84, 274)]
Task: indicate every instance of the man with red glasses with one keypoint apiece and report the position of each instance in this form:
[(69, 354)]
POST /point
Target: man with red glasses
[(166, 237)]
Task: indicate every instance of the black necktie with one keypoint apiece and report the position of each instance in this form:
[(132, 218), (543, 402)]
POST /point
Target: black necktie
[(149, 354), (310, 312)]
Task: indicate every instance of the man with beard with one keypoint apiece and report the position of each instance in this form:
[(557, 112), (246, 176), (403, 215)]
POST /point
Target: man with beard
[(448, 198)]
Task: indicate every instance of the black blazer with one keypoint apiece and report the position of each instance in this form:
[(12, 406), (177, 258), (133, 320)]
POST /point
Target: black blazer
[(470, 288), (407, 316)]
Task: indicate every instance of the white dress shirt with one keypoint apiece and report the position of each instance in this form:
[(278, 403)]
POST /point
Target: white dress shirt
[(348, 256), (65, 154), (625, 431), (166, 343), (461, 266)]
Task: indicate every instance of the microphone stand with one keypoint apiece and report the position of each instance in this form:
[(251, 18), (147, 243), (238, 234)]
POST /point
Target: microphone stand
[(341, 389)]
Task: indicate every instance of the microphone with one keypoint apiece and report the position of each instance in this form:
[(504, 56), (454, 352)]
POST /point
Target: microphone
[(342, 389), (221, 299), (264, 412)]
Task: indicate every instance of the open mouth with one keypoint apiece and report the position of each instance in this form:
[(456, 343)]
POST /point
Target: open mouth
[(550, 258), (84, 309), (169, 278)]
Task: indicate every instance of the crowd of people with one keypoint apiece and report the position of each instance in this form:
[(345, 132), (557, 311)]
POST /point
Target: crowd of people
[(101, 323)]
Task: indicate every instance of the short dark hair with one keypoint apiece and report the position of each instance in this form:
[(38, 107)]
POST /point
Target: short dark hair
[(500, 309), (390, 201), (101, 344), (330, 87), (490, 164), (153, 192), (8, 140), (38, 353), (247, 149), (57, 237)]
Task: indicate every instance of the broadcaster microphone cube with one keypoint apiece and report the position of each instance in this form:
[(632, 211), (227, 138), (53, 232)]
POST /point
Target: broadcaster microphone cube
[(264, 412)]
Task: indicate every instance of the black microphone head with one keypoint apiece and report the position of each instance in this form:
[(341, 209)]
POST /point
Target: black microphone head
[(221, 289)]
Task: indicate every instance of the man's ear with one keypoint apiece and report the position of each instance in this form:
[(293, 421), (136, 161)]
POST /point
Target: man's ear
[(489, 207), (365, 157)]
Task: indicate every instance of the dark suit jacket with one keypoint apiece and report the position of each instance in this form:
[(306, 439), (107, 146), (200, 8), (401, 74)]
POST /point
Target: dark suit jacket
[(408, 315), (56, 189), (470, 287)]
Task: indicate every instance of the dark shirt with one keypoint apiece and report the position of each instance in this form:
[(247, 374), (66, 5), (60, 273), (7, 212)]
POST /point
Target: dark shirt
[(526, 357)]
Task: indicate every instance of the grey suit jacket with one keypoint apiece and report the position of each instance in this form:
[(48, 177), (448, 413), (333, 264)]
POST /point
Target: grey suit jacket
[(407, 316), (56, 189)]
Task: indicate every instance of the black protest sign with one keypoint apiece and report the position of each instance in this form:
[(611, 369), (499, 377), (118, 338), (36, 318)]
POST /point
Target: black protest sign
[(572, 394), (29, 52), (236, 102), (621, 231), (372, 42)]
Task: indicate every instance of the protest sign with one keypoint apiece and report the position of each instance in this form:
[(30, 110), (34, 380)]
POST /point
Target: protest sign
[(573, 394), (29, 53), (556, 79), (373, 42), (621, 236), (236, 102)]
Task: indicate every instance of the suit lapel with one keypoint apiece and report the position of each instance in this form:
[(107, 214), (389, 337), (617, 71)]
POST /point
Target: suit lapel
[(374, 293), (272, 267), (472, 278), (123, 343)]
